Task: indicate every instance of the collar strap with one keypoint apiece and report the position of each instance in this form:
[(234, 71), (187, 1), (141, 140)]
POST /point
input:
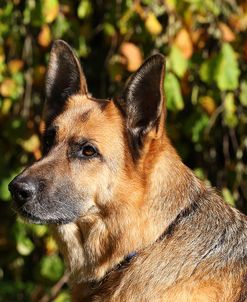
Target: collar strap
[(125, 262), (122, 265), (190, 210)]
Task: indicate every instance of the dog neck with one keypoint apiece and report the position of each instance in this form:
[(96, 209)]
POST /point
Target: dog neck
[(97, 243)]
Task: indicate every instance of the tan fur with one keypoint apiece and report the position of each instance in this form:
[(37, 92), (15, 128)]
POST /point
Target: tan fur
[(90, 250), (190, 246)]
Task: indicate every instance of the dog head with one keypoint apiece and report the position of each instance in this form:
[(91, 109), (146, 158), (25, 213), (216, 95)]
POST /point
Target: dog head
[(93, 150)]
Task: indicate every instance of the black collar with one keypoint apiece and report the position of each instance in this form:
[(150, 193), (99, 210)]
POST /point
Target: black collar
[(120, 266), (190, 210), (126, 261)]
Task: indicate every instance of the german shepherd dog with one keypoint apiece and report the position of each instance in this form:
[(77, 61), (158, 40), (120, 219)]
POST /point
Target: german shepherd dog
[(131, 220)]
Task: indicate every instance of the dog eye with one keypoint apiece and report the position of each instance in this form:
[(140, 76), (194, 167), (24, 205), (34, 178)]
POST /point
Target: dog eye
[(88, 151)]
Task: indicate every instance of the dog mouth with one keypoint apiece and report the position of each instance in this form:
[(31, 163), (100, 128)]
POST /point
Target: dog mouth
[(30, 217)]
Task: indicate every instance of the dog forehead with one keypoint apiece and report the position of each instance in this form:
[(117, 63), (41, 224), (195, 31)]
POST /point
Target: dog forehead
[(90, 117)]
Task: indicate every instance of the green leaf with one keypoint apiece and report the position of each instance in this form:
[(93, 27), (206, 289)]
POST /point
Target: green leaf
[(63, 297), (50, 10), (199, 173), (52, 267), (173, 93), (25, 246), (84, 9), (198, 127), (222, 68), (34, 13), (83, 48), (207, 70), (124, 21), (243, 93), (4, 192), (212, 6), (230, 117), (9, 290), (177, 61), (39, 230), (227, 70), (109, 29), (61, 26), (228, 197)]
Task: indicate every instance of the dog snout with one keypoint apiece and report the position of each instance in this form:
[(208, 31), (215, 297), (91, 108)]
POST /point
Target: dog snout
[(22, 190)]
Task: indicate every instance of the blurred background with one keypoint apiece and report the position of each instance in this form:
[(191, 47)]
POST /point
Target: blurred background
[(205, 44)]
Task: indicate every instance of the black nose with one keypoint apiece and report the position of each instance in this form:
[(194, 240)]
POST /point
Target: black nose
[(22, 190)]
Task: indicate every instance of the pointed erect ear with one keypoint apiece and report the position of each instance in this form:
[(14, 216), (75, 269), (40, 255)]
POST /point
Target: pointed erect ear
[(142, 100), (64, 78)]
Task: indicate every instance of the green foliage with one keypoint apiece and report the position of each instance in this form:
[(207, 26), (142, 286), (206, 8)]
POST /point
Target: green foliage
[(51, 267), (173, 93), (230, 117), (222, 69), (243, 93), (227, 70), (198, 127), (177, 61), (228, 196), (207, 70), (63, 297), (205, 44), (24, 244), (84, 9)]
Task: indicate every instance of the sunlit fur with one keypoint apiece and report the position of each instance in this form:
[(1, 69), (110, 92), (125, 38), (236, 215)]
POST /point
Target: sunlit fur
[(190, 246), (204, 257)]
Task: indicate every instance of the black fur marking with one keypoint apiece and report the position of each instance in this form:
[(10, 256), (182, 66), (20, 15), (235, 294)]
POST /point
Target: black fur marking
[(64, 78), (48, 139), (190, 210), (142, 100), (85, 116)]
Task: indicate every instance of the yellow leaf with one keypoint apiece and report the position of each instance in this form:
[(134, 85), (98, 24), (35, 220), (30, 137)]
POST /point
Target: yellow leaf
[(238, 22), (50, 245), (31, 144), (208, 104), (152, 24), (230, 106), (6, 106), (15, 65), (226, 32), (171, 4), (7, 87), (133, 55), (39, 75), (44, 37), (183, 41), (50, 10)]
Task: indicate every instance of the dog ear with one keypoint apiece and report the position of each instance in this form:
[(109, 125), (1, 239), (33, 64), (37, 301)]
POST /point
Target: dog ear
[(64, 78), (142, 101)]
